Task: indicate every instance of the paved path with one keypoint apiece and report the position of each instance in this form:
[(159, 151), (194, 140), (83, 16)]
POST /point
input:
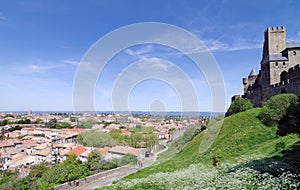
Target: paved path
[(109, 178)]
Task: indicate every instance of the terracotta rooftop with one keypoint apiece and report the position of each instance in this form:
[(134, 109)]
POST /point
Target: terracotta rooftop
[(11, 151), (64, 152), (6, 144), (125, 150), (104, 150), (77, 150), (85, 153), (68, 135), (30, 143), (16, 141), (44, 152), (42, 146), (19, 159)]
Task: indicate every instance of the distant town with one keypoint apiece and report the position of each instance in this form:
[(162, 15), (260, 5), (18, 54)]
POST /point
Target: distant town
[(28, 139)]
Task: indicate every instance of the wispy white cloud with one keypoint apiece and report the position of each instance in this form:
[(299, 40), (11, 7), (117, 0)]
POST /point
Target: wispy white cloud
[(71, 62), (223, 44), (151, 52), (139, 52), (2, 18), (233, 37), (37, 67), (156, 63), (240, 44)]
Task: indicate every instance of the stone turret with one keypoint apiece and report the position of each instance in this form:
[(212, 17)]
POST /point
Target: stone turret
[(252, 73), (250, 80)]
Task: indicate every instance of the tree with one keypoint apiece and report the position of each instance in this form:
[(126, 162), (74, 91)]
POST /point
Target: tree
[(94, 138), (38, 170), (94, 161), (87, 124), (63, 125), (124, 160), (9, 115), (278, 107), (73, 119), (38, 121), (71, 169), (24, 121), (51, 123), (27, 121), (239, 105), (4, 122)]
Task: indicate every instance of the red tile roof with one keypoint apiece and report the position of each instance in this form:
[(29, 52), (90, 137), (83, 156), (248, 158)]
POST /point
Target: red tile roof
[(77, 150), (104, 150), (31, 143), (6, 144), (44, 152), (125, 150)]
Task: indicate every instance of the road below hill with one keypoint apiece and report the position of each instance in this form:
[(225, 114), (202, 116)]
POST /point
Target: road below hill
[(119, 174)]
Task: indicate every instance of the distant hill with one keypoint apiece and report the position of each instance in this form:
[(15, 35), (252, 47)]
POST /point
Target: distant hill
[(244, 147)]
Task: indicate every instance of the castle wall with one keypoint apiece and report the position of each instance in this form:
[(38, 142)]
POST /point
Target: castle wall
[(289, 86), (294, 56), (294, 72), (265, 74), (258, 94), (276, 68), (254, 96)]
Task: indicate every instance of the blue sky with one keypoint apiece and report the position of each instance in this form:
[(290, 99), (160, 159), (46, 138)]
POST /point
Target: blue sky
[(42, 43)]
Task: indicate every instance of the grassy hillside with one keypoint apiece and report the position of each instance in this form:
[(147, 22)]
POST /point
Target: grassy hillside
[(243, 141)]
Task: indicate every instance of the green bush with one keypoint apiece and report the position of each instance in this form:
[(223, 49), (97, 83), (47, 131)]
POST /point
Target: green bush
[(94, 159), (71, 169), (277, 107), (279, 146), (5, 177), (94, 138), (126, 159), (239, 105)]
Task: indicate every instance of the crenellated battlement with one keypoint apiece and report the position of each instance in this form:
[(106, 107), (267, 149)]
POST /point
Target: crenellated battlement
[(276, 29)]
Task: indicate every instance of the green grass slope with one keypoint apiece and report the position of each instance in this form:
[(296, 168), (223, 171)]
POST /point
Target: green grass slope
[(242, 140)]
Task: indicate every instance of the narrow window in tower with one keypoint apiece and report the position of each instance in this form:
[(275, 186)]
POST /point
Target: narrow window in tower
[(283, 63), (294, 52), (276, 63)]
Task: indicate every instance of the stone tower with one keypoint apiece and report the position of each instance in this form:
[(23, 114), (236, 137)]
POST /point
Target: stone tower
[(273, 63), (275, 40)]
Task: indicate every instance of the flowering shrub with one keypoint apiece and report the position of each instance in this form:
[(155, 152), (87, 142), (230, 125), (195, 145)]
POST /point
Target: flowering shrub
[(201, 177)]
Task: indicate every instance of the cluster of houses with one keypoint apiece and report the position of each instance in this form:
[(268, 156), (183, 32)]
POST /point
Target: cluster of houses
[(52, 147), (35, 146), (34, 143)]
